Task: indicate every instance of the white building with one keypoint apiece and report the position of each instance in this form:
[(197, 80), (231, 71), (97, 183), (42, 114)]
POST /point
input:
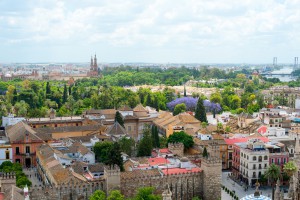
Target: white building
[(254, 160), (5, 148), (11, 120), (275, 131), (297, 104)]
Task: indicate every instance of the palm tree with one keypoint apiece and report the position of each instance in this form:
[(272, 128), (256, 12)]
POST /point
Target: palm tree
[(273, 173), (290, 168), (220, 127)]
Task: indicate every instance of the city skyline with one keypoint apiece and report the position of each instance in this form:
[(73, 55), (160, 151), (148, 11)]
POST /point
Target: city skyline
[(150, 32)]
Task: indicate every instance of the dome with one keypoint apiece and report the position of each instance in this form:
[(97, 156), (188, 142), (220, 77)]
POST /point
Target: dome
[(184, 159), (8, 75), (252, 197)]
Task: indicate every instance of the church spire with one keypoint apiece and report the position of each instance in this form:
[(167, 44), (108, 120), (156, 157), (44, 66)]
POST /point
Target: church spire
[(95, 62), (92, 62)]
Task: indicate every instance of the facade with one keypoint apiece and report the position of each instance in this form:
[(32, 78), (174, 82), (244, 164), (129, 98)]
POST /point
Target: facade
[(24, 142), (11, 120), (254, 160), (5, 149), (284, 94), (244, 120)]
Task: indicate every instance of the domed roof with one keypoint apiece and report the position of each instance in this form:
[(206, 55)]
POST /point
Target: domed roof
[(184, 159), (8, 75)]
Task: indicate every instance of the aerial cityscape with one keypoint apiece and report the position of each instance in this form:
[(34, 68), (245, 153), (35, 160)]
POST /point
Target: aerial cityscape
[(149, 100)]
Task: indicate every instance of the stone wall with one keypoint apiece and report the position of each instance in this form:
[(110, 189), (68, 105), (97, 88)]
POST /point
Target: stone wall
[(182, 186), (66, 191)]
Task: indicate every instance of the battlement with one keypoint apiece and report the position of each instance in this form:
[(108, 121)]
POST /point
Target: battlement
[(112, 170), (177, 145)]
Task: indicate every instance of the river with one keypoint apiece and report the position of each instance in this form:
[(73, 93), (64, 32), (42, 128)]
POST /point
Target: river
[(283, 78)]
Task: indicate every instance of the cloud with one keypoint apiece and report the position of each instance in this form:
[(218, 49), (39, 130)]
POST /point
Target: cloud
[(191, 25)]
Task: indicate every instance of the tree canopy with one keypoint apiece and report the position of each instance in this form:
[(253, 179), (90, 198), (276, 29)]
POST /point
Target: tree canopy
[(182, 137)]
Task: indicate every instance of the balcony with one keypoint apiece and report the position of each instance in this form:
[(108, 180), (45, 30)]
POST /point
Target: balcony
[(27, 154)]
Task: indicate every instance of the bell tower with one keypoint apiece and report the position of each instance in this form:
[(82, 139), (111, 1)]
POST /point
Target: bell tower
[(95, 64)]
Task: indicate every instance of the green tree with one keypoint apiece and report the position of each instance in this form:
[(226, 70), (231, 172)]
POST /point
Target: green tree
[(155, 137), (147, 193), (273, 173), (204, 153), (200, 112), (119, 119), (98, 195), (65, 94), (48, 89), (23, 181), (216, 98), (179, 108), (196, 198), (145, 144), (182, 137), (115, 157), (102, 150), (290, 168), (127, 145), (115, 195)]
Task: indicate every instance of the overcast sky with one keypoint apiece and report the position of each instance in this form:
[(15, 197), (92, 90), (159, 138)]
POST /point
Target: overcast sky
[(202, 31)]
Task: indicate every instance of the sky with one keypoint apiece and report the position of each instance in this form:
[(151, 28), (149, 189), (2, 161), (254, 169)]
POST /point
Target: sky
[(155, 31)]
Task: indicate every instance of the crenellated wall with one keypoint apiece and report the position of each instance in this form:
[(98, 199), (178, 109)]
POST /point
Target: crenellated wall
[(182, 186)]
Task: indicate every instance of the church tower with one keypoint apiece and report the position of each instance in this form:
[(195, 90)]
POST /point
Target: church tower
[(93, 67)]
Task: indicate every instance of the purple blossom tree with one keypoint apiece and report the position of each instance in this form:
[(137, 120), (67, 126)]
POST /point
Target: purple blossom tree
[(191, 104)]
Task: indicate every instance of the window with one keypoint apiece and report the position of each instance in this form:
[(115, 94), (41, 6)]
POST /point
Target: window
[(260, 158), (7, 155), (254, 166), (27, 149), (254, 157), (265, 165), (272, 160), (129, 128), (18, 160), (284, 160), (55, 125), (266, 158), (17, 150)]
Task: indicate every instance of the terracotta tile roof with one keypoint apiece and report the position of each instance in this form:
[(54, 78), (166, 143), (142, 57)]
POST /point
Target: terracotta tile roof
[(246, 115), (76, 147), (157, 161), (140, 114), (14, 193), (240, 140), (139, 108), (125, 108), (94, 168), (116, 129), (68, 129), (180, 171), (19, 131)]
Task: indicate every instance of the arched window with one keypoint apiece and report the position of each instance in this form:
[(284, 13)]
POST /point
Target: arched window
[(266, 158), (254, 157)]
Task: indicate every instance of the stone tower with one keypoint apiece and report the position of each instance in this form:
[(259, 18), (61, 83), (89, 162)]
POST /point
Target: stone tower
[(6, 181), (212, 170), (176, 148), (112, 175)]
